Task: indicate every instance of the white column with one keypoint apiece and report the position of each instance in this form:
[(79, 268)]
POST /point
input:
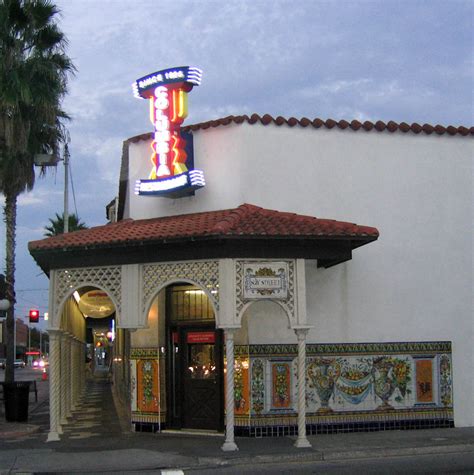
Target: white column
[(82, 369), (75, 373), (54, 385), (64, 379), (229, 444), (68, 374), (301, 441)]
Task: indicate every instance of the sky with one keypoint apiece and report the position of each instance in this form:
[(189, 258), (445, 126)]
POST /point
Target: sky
[(405, 60)]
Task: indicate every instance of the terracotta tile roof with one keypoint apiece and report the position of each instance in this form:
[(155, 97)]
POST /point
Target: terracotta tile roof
[(246, 221), (355, 125)]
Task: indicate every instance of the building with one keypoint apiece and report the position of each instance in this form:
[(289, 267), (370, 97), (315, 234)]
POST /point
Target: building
[(236, 308), (21, 339)]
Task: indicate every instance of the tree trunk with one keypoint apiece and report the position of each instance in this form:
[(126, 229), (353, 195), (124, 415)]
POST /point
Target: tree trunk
[(10, 230)]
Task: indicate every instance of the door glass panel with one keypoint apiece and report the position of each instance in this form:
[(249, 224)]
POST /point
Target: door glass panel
[(174, 371), (201, 361), (189, 303)]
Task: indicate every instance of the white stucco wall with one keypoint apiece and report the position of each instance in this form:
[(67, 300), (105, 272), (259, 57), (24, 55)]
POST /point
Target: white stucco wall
[(415, 283)]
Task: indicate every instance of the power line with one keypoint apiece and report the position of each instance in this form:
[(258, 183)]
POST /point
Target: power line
[(30, 290), (72, 187)]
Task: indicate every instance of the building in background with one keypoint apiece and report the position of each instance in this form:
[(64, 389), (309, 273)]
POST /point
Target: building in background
[(21, 332)]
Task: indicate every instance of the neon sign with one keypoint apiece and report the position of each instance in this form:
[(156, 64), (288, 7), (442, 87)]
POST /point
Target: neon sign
[(172, 173)]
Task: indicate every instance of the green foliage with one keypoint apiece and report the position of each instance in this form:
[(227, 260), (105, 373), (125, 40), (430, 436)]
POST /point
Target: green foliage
[(33, 77), (56, 225)]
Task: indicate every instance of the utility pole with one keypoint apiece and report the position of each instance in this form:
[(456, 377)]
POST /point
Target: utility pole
[(29, 345), (66, 189), (14, 338)]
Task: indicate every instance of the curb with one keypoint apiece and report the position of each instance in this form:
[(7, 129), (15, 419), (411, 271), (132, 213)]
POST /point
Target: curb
[(17, 431), (319, 456), (406, 451)]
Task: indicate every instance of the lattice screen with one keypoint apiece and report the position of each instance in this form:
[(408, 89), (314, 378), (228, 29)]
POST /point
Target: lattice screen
[(106, 278), (203, 273)]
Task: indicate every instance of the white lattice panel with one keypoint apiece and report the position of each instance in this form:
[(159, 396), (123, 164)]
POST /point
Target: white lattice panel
[(205, 274), (106, 278)]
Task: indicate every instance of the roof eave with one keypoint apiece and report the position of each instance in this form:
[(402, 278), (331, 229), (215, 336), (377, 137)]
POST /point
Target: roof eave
[(329, 250)]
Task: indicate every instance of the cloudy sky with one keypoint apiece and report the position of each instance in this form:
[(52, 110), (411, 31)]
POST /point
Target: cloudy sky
[(407, 60)]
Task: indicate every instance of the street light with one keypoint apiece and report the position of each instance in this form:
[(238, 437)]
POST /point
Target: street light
[(52, 160)]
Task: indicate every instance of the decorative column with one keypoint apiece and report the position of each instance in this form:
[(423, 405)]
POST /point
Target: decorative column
[(69, 370), (301, 441), (54, 385), (64, 379), (75, 373), (82, 369), (229, 444)]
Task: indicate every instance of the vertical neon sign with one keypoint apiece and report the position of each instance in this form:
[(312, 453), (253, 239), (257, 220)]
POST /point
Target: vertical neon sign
[(167, 92)]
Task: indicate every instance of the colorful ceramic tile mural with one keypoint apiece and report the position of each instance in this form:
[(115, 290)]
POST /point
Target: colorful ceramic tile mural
[(424, 381), (281, 385), (241, 386), (446, 382), (345, 384), (258, 386), (321, 375), (352, 382), (146, 372), (148, 395)]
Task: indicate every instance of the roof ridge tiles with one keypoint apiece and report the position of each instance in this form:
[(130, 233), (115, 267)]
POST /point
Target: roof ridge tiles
[(317, 123)]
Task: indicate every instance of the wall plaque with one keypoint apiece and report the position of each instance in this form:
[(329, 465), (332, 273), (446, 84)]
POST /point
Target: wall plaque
[(265, 280)]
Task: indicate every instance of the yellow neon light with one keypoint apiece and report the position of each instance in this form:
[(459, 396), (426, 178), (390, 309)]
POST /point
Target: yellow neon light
[(179, 156), (183, 104)]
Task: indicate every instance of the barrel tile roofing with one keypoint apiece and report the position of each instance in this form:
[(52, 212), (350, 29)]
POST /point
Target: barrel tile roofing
[(245, 221)]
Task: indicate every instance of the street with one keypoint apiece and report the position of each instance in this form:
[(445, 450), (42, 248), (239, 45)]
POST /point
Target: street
[(93, 441), (459, 463), (28, 374), (24, 374)]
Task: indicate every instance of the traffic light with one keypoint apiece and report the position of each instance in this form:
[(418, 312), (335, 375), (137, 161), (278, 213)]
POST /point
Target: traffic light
[(34, 315)]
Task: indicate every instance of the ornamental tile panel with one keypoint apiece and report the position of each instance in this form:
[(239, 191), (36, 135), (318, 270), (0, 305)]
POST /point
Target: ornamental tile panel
[(356, 382), (239, 285)]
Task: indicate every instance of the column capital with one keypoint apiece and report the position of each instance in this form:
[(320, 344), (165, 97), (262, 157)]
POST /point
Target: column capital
[(229, 332), (301, 332), (54, 333)]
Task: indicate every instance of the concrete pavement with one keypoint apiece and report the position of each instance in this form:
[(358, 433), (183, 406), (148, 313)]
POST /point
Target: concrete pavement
[(93, 441)]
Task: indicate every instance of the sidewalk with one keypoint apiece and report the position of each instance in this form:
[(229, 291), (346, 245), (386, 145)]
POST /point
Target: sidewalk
[(93, 441), (37, 412)]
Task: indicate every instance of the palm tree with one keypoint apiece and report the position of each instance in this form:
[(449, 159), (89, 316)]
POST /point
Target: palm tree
[(56, 225), (33, 76)]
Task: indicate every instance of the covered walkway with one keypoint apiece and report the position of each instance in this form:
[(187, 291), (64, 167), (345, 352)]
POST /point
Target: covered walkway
[(95, 415)]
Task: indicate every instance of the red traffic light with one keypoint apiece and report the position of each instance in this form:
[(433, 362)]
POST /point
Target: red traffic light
[(34, 316)]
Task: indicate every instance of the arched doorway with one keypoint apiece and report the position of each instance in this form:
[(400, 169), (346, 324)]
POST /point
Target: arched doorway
[(194, 365), (100, 321)]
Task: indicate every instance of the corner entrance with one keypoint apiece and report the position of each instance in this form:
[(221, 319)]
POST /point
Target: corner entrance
[(194, 362)]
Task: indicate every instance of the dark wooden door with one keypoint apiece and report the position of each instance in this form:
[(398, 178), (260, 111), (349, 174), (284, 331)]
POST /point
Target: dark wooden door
[(202, 381)]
